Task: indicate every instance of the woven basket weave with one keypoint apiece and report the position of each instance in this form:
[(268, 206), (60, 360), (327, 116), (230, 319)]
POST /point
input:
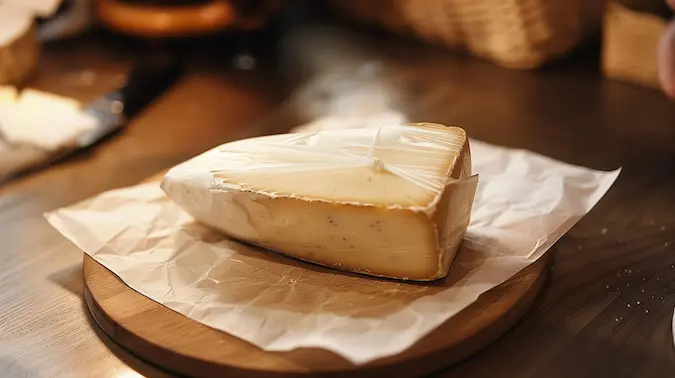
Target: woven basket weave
[(630, 43), (513, 33)]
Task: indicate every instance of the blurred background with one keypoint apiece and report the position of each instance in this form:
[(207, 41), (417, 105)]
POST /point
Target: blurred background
[(543, 70), (517, 34)]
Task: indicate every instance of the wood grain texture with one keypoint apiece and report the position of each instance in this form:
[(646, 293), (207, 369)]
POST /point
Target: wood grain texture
[(140, 325), (580, 325)]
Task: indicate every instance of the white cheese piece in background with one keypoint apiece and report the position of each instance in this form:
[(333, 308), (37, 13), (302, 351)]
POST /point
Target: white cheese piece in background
[(393, 201), (18, 44), (8, 97), (45, 120), (8, 94), (46, 101)]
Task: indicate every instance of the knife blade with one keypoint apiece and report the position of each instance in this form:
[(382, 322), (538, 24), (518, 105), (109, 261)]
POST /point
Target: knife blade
[(150, 77)]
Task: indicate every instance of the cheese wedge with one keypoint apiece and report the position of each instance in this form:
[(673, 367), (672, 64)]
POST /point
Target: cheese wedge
[(393, 201)]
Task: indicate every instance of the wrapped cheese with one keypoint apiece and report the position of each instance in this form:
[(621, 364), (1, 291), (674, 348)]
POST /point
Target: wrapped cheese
[(392, 201)]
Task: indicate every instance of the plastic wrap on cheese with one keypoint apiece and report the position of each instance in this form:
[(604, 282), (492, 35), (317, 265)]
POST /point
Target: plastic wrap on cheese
[(393, 201)]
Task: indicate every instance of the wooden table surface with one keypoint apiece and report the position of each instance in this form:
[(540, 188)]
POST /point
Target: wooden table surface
[(607, 308)]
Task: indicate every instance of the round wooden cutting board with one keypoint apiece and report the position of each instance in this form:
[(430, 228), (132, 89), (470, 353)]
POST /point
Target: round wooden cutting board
[(168, 339)]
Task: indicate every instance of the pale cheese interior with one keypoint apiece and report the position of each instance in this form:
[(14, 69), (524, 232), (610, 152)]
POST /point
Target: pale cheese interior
[(392, 243)]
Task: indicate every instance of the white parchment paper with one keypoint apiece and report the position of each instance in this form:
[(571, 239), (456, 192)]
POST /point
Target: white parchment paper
[(524, 204)]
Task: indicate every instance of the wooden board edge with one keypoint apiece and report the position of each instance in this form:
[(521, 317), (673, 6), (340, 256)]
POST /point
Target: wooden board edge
[(176, 362)]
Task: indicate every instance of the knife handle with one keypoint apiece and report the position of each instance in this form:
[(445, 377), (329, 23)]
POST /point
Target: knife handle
[(149, 77)]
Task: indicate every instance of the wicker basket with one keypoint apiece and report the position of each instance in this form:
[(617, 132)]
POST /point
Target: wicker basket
[(512, 33), (630, 44)]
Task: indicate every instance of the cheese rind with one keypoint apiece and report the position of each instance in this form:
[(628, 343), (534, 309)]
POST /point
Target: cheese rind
[(392, 202)]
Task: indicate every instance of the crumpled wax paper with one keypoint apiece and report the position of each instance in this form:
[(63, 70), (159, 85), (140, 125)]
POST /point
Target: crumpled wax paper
[(524, 203)]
